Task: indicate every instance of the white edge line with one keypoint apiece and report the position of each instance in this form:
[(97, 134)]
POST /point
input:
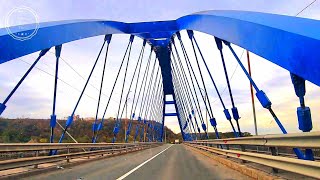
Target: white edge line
[(134, 169)]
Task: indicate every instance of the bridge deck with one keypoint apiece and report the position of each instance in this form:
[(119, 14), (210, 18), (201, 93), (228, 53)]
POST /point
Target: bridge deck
[(176, 162)]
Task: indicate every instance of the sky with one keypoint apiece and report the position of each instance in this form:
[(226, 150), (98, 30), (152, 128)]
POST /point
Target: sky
[(34, 97)]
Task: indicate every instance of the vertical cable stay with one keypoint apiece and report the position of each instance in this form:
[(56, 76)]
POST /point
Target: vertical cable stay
[(145, 104), (163, 130), (148, 105), (234, 109), (70, 118), (182, 102), (178, 115), (150, 114), (153, 97), (94, 126), (191, 71), (143, 100), (262, 97), (181, 91), (180, 107), (177, 106), (143, 85), (214, 84), (134, 105), (183, 120), (194, 97), (134, 73), (177, 86), (135, 91), (190, 34), (159, 111), (150, 97), (188, 90), (144, 95), (100, 126), (117, 123), (53, 117), (154, 108)]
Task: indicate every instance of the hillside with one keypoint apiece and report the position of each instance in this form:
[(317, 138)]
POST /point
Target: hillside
[(38, 130)]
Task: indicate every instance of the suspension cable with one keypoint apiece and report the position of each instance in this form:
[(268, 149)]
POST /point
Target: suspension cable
[(188, 90), (149, 99), (190, 67), (182, 93), (181, 107), (263, 99), (194, 94), (177, 84), (134, 73), (135, 103), (226, 111), (135, 91), (145, 97), (154, 102), (70, 118), (144, 100), (186, 81), (116, 126), (53, 117), (234, 109), (94, 126), (100, 126)]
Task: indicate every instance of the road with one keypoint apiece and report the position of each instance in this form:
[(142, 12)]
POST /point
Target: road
[(164, 162)]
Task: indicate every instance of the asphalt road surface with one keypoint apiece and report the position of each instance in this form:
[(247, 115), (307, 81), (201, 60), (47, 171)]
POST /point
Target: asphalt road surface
[(164, 162)]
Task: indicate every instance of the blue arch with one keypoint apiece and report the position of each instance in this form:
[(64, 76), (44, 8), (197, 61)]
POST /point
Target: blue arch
[(289, 42)]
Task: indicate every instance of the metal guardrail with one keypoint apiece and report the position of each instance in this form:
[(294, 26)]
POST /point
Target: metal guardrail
[(21, 147), (93, 150), (301, 140)]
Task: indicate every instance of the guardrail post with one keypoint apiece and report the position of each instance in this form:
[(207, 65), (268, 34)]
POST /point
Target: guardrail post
[(227, 147), (112, 149), (243, 149), (36, 155), (274, 153), (68, 157)]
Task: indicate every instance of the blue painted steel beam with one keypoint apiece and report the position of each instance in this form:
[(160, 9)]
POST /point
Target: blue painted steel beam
[(289, 42), (169, 102), (164, 57), (170, 114)]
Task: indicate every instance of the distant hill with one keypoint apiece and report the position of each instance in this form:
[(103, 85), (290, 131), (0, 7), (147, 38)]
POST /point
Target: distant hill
[(38, 130)]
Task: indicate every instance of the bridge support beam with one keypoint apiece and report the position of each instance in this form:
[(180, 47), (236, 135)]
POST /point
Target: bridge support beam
[(163, 55)]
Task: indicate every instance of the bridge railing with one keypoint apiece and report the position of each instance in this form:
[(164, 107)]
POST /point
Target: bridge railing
[(16, 155), (303, 140), (226, 147)]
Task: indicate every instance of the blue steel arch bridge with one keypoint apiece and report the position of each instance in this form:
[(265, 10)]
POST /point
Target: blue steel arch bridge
[(289, 42)]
